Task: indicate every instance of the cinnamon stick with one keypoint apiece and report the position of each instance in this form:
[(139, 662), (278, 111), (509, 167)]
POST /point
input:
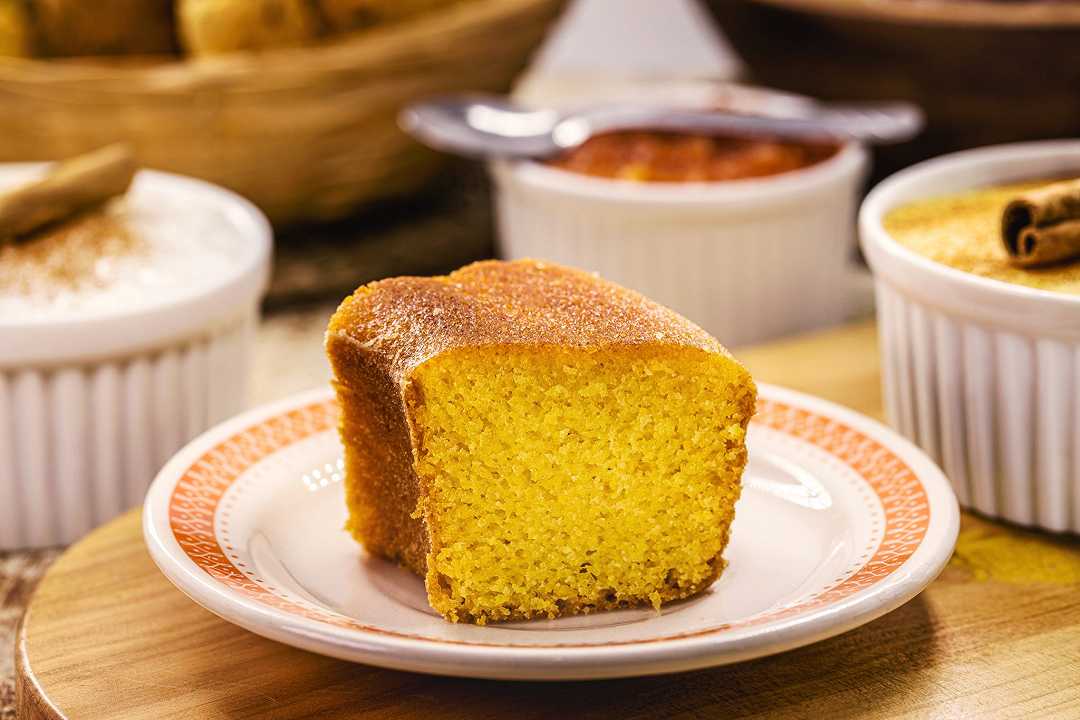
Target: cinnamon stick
[(69, 188), (1042, 227)]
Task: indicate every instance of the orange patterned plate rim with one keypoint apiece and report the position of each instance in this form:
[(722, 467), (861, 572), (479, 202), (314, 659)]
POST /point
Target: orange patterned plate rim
[(884, 508)]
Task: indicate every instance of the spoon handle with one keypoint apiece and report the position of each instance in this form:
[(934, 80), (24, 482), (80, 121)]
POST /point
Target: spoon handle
[(875, 124)]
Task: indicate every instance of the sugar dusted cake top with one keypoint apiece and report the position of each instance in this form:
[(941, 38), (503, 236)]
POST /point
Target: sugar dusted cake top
[(409, 320)]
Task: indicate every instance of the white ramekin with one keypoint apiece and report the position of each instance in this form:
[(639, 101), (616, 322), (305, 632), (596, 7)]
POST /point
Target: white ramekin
[(90, 409), (747, 260), (983, 374)]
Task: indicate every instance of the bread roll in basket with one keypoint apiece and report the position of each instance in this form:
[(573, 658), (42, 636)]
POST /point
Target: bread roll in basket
[(307, 133)]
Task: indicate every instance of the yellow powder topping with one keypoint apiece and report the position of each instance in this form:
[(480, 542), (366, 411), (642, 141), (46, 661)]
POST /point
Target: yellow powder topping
[(1018, 559), (963, 231)]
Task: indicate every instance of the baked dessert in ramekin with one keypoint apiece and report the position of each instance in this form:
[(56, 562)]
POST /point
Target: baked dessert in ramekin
[(123, 334), (748, 252), (981, 362)]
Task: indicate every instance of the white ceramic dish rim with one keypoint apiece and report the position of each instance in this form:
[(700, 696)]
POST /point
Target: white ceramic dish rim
[(603, 661), (748, 194), (1021, 308), (128, 330)]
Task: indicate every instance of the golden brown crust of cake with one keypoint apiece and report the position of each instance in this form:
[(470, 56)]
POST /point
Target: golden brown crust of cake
[(378, 447), (405, 321)]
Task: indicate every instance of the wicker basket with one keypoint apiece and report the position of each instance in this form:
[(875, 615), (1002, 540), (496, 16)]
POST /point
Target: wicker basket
[(307, 134)]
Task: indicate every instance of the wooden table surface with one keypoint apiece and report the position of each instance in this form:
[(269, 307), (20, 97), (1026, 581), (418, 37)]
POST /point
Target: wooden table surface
[(996, 636)]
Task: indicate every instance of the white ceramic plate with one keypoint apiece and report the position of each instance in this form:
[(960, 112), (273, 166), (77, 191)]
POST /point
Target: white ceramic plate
[(840, 522)]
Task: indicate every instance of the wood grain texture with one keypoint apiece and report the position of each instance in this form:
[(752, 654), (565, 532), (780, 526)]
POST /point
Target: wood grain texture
[(19, 572), (996, 636)]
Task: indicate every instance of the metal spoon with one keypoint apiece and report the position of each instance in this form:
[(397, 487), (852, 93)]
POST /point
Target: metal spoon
[(493, 126)]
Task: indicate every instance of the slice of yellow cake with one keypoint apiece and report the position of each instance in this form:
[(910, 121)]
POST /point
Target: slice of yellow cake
[(534, 441)]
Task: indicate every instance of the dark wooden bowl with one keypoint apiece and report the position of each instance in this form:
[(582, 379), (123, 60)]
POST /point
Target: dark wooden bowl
[(985, 72)]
